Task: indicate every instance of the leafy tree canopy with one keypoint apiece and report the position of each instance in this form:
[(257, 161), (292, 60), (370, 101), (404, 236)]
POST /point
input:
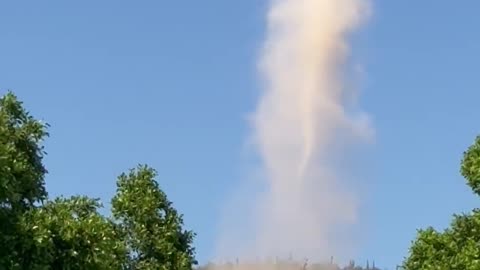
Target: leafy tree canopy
[(152, 227), (457, 247), (144, 232)]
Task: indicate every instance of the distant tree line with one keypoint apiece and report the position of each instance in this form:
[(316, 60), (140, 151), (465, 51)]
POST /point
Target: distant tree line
[(287, 265)]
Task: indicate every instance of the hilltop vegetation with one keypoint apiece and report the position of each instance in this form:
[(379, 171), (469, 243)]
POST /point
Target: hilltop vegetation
[(287, 265)]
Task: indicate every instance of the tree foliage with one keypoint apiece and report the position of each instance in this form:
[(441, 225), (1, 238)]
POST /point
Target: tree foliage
[(21, 173), (152, 227), (36, 232), (457, 247), (71, 234)]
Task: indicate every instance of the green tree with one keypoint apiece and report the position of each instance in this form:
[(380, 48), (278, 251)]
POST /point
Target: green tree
[(69, 233), (21, 172), (153, 228), (457, 247)]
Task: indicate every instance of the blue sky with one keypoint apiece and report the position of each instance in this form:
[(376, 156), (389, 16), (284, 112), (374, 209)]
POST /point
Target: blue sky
[(169, 83)]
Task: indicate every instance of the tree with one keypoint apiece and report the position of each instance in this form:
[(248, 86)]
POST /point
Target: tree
[(456, 248), (21, 172), (69, 233), (153, 228)]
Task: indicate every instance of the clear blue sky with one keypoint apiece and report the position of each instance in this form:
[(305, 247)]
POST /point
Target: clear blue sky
[(168, 83)]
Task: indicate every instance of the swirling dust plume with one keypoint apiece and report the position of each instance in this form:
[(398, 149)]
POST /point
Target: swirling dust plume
[(303, 115)]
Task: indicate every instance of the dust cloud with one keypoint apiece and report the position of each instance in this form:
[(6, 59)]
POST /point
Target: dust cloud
[(303, 119)]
